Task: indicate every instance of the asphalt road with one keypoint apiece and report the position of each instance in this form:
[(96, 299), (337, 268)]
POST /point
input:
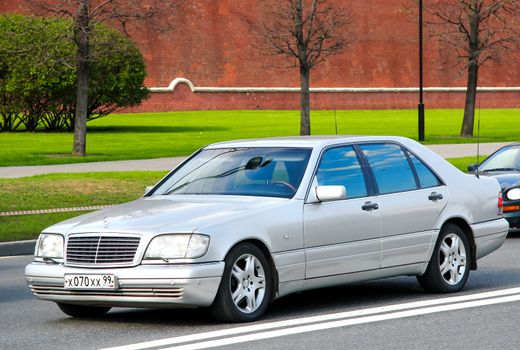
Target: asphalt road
[(386, 314)]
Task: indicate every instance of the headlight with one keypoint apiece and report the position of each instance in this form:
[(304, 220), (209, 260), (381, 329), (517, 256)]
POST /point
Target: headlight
[(513, 194), (50, 245), (177, 246)]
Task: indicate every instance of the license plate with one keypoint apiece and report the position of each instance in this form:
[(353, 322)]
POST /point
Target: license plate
[(90, 282)]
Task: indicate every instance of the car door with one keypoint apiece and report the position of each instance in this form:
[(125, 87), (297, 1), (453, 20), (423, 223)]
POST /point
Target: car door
[(341, 236), (410, 198)]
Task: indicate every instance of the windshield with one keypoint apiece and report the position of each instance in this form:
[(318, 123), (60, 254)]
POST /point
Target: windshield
[(506, 159), (272, 172)]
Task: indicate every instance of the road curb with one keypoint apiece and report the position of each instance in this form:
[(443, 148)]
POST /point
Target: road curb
[(17, 248)]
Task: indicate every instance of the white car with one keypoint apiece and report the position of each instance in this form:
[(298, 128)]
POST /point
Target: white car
[(241, 223)]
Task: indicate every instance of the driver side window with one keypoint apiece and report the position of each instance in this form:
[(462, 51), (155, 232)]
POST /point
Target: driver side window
[(340, 166)]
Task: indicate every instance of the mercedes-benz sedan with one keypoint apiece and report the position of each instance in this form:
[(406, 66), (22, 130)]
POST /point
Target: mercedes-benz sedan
[(241, 223)]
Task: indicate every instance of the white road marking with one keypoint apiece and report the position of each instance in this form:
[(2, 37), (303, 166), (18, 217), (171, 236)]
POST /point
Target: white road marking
[(342, 323), (359, 314)]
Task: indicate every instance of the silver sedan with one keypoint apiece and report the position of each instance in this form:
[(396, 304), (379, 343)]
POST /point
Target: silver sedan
[(241, 223)]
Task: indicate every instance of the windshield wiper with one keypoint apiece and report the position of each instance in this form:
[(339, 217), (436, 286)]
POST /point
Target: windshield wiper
[(170, 191), (499, 169), (217, 176), (252, 164), (172, 188), (46, 259)]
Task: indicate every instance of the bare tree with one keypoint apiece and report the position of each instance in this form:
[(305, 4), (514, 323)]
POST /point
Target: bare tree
[(85, 14), (307, 32), (478, 31)]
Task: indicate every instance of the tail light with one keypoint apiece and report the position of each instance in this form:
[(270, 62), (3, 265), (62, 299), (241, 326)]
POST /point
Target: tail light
[(500, 204)]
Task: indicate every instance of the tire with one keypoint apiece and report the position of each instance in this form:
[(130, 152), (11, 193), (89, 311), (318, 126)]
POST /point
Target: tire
[(83, 311), (246, 286), (449, 266)]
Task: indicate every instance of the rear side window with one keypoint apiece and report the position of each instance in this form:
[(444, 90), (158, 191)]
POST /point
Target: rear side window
[(426, 177), (340, 167), (390, 167)]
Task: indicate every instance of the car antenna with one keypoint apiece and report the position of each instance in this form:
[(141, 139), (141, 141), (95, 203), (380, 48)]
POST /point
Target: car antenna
[(478, 139), (335, 119)]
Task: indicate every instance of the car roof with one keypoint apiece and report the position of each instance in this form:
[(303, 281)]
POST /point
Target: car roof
[(304, 141)]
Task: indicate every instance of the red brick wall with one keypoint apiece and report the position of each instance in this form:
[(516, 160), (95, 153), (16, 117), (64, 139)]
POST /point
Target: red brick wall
[(214, 45)]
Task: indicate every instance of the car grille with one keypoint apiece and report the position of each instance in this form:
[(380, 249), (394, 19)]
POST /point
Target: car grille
[(103, 250)]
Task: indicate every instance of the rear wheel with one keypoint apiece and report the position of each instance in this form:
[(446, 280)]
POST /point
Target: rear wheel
[(450, 263), (83, 311), (245, 289)]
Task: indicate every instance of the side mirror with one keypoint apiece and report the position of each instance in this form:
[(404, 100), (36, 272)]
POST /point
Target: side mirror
[(331, 193), (472, 168), (148, 189)]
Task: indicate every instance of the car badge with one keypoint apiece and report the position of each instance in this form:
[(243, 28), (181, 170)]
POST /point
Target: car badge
[(106, 221)]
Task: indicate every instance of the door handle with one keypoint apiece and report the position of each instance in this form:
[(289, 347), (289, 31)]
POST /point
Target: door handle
[(434, 196), (369, 206)]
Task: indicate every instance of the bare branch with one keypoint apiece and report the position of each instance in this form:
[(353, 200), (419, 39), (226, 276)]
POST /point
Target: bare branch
[(477, 30), (306, 32), (308, 35)]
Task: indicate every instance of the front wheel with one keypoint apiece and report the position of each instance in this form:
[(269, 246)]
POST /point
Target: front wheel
[(449, 266), (83, 311), (246, 285)]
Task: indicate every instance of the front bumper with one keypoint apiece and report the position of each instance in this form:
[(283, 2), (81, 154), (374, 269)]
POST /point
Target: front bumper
[(155, 286), (513, 218)]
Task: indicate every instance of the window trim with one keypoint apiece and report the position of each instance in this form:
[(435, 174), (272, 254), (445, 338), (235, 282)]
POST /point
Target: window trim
[(171, 173), (197, 152), (370, 181), (412, 166), (369, 185), (373, 188), (441, 182), (405, 150)]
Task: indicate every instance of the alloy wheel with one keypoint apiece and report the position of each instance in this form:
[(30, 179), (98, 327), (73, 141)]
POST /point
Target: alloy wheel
[(452, 259), (247, 283)]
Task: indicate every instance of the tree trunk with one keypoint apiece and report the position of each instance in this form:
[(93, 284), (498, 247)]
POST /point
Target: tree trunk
[(305, 114), (81, 31), (473, 56), (471, 96)]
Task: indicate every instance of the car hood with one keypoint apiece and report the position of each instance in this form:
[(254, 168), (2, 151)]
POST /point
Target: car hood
[(164, 214), (506, 180)]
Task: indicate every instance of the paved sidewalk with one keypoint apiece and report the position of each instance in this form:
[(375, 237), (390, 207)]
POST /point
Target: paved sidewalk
[(466, 149), (446, 151), (117, 165)]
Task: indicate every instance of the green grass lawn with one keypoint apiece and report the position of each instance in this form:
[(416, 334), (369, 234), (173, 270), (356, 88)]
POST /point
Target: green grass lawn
[(63, 191), (462, 163), (72, 190), (152, 135), (19, 228)]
